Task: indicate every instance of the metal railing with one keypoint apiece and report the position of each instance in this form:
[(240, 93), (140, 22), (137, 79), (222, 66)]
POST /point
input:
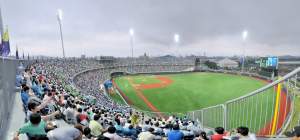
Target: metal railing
[(255, 110), (210, 117)]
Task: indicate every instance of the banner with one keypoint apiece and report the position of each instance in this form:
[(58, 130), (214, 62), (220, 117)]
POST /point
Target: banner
[(5, 48)]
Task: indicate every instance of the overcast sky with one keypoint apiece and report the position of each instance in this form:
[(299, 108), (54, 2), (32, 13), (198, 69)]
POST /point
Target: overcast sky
[(97, 27)]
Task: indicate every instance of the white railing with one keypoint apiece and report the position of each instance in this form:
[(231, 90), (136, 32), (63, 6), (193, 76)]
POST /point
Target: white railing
[(254, 110)]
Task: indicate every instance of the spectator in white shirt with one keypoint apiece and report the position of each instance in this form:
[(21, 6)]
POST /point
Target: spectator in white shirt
[(166, 130), (79, 105), (85, 111), (145, 126), (127, 124), (49, 95), (157, 129)]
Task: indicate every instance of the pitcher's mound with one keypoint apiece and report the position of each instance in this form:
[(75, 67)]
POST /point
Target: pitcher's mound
[(143, 80)]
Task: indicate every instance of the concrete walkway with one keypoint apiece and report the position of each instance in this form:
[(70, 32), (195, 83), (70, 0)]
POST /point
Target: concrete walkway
[(16, 120)]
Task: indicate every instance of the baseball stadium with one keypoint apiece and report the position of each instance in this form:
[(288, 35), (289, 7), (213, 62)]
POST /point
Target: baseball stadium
[(114, 94)]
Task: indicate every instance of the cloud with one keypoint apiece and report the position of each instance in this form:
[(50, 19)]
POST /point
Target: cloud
[(102, 27)]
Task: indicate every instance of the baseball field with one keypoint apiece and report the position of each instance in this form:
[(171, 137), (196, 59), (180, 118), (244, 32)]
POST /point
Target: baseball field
[(193, 91)]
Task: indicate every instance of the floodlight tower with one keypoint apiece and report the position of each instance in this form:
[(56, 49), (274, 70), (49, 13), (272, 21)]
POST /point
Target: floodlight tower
[(245, 36), (131, 33), (59, 17), (176, 39)]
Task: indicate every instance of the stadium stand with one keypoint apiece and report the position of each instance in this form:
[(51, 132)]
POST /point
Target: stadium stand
[(48, 89)]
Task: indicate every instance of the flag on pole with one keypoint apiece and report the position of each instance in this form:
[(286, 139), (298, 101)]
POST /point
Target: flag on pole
[(33, 56), (17, 54), (5, 48), (28, 56), (23, 53)]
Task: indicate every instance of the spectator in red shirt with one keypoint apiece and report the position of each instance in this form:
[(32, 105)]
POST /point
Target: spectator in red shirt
[(60, 99), (220, 133)]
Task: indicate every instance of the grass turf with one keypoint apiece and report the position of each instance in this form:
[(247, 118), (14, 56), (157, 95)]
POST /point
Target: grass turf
[(117, 98), (195, 91)]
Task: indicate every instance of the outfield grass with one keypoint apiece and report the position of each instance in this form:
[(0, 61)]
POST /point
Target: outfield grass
[(117, 98), (195, 91), (192, 91)]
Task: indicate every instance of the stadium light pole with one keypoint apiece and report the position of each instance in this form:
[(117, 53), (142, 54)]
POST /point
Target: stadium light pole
[(176, 39), (131, 33), (59, 16), (245, 36)]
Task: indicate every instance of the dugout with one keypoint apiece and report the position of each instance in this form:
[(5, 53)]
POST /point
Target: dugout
[(108, 84)]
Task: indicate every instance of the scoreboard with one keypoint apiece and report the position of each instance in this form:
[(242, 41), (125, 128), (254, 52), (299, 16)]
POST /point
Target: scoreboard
[(269, 62)]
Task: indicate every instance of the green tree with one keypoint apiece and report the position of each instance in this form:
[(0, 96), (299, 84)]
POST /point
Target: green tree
[(211, 65)]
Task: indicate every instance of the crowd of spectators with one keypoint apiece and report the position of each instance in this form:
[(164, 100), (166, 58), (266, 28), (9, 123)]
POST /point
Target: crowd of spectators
[(104, 119), (149, 61), (152, 68)]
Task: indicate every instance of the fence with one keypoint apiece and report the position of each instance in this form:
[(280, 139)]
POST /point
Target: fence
[(265, 111), (210, 117)]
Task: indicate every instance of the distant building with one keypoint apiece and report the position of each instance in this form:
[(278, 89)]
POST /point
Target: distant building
[(225, 62), (144, 56), (83, 56)]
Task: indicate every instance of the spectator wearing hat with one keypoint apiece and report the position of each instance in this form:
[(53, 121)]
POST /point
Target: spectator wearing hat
[(185, 132), (294, 134), (175, 134)]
